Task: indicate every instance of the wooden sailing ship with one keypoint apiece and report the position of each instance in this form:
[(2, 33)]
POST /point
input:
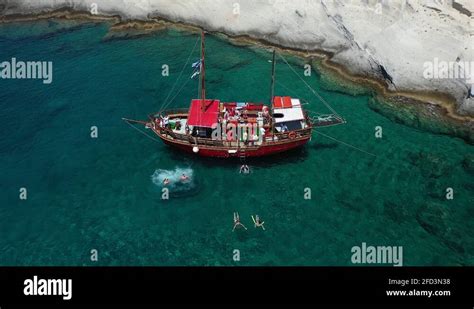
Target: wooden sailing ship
[(212, 128)]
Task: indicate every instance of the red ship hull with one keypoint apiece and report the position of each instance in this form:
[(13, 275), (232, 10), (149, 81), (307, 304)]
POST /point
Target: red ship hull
[(221, 152)]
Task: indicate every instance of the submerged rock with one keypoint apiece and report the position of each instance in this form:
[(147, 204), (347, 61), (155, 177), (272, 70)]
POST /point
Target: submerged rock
[(430, 165), (396, 212), (435, 190), (468, 164), (434, 219)]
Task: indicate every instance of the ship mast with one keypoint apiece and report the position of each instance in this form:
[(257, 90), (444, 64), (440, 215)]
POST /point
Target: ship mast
[(272, 90), (203, 73)]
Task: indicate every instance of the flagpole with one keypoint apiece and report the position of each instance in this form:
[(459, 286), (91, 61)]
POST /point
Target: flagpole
[(272, 91)]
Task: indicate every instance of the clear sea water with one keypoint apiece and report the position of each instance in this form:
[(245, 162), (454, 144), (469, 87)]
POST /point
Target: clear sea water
[(105, 193)]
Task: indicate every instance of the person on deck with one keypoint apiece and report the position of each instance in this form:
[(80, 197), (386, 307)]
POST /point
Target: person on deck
[(255, 139), (245, 114), (237, 221), (245, 137)]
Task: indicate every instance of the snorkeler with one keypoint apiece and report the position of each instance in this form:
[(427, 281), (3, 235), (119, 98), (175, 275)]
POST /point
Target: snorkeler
[(184, 178), (237, 221), (166, 181), (258, 222), (244, 169)]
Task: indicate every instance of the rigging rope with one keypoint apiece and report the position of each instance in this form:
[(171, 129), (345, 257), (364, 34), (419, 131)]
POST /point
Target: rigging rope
[(310, 88), (142, 132), (180, 89), (292, 92), (166, 104), (346, 144)]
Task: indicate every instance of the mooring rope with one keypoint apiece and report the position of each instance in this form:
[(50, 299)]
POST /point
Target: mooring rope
[(344, 143)]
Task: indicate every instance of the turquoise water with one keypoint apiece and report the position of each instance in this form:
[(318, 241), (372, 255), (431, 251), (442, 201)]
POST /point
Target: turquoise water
[(103, 193)]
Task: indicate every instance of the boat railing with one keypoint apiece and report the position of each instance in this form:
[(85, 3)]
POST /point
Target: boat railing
[(191, 139), (168, 112), (212, 142), (294, 134)]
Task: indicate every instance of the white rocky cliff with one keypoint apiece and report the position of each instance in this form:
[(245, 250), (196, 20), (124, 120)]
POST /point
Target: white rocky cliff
[(395, 40)]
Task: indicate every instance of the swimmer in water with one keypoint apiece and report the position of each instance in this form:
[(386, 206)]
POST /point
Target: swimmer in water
[(244, 169), (237, 221), (258, 222), (166, 181), (184, 178)]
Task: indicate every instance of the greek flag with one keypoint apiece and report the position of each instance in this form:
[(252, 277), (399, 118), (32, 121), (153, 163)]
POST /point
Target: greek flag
[(197, 64), (197, 68), (195, 74)]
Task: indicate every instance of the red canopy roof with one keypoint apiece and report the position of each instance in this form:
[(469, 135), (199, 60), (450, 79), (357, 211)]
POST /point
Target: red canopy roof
[(282, 102), (205, 116)]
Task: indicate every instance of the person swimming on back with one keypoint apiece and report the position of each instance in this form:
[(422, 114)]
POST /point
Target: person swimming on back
[(166, 181), (237, 221), (258, 222), (184, 178)]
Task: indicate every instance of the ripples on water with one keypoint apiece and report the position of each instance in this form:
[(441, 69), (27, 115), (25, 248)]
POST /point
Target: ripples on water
[(176, 184)]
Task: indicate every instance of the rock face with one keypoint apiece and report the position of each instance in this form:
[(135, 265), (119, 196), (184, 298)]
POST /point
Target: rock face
[(391, 40)]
